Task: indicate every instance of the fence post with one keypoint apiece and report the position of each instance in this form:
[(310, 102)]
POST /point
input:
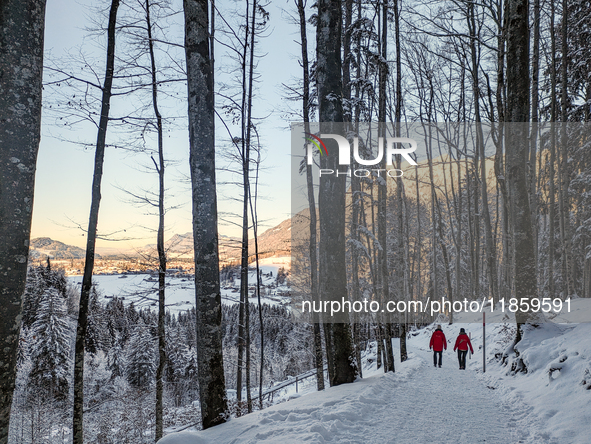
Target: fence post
[(483, 342)]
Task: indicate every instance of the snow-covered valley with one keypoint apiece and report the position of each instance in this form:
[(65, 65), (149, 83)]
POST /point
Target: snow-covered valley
[(142, 288)]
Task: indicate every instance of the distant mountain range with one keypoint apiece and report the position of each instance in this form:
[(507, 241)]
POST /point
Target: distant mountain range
[(42, 247), (274, 242)]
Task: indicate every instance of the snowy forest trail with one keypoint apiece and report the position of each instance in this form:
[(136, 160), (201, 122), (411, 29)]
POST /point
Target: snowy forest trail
[(417, 404), (446, 405)]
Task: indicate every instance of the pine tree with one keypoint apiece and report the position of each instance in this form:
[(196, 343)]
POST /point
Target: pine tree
[(39, 279), (116, 362), (117, 322), (191, 364), (34, 288), (176, 349), (50, 347), (141, 357), (96, 338)]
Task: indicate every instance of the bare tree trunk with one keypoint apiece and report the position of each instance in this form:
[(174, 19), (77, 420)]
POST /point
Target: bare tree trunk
[(329, 347), (564, 201), (383, 187), (351, 125), (476, 233), (21, 68), (78, 418), (254, 216), (318, 359), (255, 223), (402, 262), (402, 259), (332, 270), (516, 146), (356, 201), (347, 111), (212, 387), (245, 159), (491, 257), (443, 246), (160, 237), (551, 172), (380, 346), (499, 163), (408, 289), (457, 202), (419, 242), (434, 223), (247, 193), (535, 128)]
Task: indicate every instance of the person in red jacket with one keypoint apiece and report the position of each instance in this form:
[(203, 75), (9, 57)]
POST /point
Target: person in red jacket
[(438, 343), (462, 344)]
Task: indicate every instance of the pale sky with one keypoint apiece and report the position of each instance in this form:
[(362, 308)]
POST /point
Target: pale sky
[(64, 170)]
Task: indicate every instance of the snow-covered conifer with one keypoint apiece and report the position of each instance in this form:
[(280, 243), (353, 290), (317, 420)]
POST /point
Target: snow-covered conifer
[(50, 345), (141, 357), (96, 332), (116, 359)]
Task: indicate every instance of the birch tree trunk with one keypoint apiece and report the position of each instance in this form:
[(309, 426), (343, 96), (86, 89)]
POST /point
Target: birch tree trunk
[(212, 387), (21, 67)]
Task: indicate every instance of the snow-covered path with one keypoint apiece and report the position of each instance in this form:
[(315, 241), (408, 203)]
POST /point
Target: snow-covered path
[(417, 404), (444, 405)]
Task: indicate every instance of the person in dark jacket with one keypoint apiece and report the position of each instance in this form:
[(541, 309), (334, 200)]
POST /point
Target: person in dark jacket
[(462, 344), (438, 343)]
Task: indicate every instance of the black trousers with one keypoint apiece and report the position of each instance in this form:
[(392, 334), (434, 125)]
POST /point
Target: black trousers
[(435, 353), (462, 358)]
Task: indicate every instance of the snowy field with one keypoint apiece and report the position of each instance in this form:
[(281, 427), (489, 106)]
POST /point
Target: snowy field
[(273, 264), (551, 403), (180, 290)]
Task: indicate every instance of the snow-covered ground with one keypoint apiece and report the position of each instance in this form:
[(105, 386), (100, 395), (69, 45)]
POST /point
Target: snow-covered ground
[(422, 404), (273, 264), (180, 290), (543, 408)]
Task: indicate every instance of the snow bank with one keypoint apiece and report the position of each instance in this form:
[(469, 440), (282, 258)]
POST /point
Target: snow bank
[(556, 389), (549, 403), (552, 397), (336, 413)]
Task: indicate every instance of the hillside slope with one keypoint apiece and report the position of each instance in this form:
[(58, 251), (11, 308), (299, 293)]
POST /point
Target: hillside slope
[(44, 246)]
